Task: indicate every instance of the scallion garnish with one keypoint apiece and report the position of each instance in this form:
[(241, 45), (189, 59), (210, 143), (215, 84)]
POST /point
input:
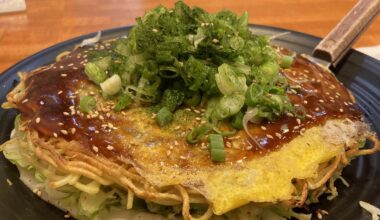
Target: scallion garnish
[(286, 61), (216, 144), (122, 102), (164, 116), (171, 58), (198, 133), (112, 85), (94, 73), (87, 103), (237, 121)]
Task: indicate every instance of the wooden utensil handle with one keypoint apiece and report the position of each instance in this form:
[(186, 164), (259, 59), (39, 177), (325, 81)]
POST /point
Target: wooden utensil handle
[(335, 45)]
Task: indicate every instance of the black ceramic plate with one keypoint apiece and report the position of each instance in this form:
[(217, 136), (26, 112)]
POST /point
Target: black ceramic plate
[(357, 71)]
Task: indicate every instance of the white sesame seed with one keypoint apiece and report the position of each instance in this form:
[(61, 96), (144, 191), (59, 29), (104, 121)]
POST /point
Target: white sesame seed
[(63, 75), (263, 128), (228, 144), (60, 92), (182, 157), (154, 30), (66, 113), (305, 102), (110, 147), (73, 130), (25, 100), (38, 120), (42, 102), (289, 114), (321, 101), (95, 148), (64, 132), (269, 136), (298, 121), (341, 110), (203, 146), (55, 135), (278, 135)]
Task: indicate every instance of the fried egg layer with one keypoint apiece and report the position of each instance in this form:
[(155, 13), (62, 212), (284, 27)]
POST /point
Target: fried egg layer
[(164, 159)]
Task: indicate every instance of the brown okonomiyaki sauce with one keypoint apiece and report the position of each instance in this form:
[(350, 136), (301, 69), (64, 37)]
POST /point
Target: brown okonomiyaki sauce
[(51, 95)]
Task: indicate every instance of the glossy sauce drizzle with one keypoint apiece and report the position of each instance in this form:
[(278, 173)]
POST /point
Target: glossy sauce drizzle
[(52, 106)]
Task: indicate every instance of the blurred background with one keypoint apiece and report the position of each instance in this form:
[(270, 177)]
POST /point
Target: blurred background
[(47, 22)]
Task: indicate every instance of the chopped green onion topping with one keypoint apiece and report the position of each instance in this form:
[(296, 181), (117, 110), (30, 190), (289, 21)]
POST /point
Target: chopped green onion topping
[(287, 61), (237, 121), (187, 56), (228, 105), (171, 99), (112, 85), (194, 100), (103, 63), (217, 147), (87, 103), (270, 68), (230, 80), (198, 133), (94, 73), (122, 102), (164, 116)]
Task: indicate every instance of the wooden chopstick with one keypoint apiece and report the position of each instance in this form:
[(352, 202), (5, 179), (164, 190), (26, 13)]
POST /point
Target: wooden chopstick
[(335, 45)]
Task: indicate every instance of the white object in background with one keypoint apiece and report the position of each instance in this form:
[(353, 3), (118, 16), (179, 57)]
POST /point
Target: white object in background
[(370, 51), (12, 5)]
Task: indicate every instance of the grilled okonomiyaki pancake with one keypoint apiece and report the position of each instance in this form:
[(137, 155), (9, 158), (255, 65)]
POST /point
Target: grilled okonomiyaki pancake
[(95, 145)]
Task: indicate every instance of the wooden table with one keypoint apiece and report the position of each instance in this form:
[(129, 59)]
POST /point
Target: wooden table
[(48, 22)]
